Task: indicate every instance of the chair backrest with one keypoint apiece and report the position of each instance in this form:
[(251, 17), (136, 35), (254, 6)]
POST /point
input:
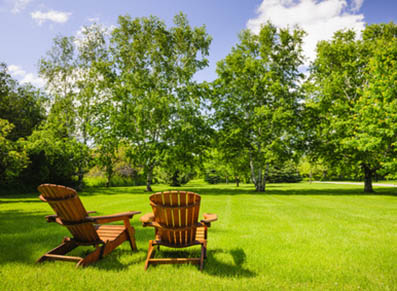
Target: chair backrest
[(177, 212), (69, 209)]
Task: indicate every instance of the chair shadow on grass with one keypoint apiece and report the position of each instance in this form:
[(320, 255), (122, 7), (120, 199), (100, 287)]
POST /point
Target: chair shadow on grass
[(216, 267), (120, 259), (212, 265)]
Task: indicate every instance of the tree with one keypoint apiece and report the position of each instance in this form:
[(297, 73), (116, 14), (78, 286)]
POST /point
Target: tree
[(20, 105), (107, 155), (376, 109), (54, 156), (13, 158), (257, 96), (71, 71), (221, 162), (342, 101), (21, 111), (155, 102)]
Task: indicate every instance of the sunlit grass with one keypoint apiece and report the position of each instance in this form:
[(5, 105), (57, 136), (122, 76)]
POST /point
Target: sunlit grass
[(294, 236)]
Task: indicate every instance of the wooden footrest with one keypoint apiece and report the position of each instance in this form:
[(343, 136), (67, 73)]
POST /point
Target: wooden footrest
[(175, 261), (63, 258)]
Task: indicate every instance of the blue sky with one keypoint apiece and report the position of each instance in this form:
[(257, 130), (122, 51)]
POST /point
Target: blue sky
[(27, 27)]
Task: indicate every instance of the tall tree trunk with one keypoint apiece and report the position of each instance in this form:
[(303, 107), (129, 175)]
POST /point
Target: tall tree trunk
[(257, 177), (80, 170), (149, 177), (80, 176), (252, 168), (265, 177), (109, 174), (237, 181), (367, 180), (260, 186)]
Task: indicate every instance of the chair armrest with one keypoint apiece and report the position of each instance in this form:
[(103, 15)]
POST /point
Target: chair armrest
[(147, 218), (208, 218), (54, 217), (114, 217)]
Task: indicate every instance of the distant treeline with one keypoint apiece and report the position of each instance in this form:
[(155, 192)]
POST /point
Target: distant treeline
[(122, 105)]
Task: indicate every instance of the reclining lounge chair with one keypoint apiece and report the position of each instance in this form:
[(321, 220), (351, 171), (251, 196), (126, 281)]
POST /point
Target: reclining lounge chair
[(85, 229)]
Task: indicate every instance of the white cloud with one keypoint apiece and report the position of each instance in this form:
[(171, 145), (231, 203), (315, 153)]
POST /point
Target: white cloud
[(24, 77), (19, 5), (93, 19), (52, 15), (320, 19), (356, 5), (16, 71)]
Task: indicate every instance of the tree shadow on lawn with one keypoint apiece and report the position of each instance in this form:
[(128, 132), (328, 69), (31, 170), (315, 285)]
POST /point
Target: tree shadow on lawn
[(138, 190), (278, 190), (25, 236), (271, 189), (20, 234), (22, 197)]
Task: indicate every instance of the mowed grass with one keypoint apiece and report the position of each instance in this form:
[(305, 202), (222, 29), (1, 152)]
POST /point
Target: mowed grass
[(294, 236)]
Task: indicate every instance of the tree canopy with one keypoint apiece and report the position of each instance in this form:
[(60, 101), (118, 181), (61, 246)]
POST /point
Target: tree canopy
[(256, 98), (347, 108)]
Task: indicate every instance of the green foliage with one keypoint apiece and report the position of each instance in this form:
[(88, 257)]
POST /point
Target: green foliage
[(347, 104), (20, 105), (54, 158), (256, 98), (156, 103), (21, 111), (13, 158), (74, 83), (286, 173), (376, 110), (213, 177), (175, 176)]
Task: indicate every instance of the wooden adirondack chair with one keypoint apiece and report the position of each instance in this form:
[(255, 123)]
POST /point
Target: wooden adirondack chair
[(71, 213), (175, 219)]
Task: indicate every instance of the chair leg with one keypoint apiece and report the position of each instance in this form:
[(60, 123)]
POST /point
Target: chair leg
[(62, 249), (131, 235), (92, 257), (203, 251), (149, 254)]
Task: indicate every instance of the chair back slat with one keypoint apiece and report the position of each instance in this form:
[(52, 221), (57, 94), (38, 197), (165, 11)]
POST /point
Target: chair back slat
[(68, 207), (173, 210), (190, 216), (174, 197), (182, 197)]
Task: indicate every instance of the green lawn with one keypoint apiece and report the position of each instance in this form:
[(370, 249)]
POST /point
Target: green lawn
[(294, 236)]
